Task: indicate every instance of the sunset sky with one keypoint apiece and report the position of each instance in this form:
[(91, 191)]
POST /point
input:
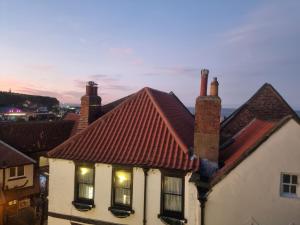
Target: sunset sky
[(53, 47)]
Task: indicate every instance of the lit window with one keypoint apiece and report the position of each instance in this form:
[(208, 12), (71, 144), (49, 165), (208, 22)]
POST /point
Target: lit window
[(289, 183), (84, 185), (122, 188), (15, 172), (172, 196)]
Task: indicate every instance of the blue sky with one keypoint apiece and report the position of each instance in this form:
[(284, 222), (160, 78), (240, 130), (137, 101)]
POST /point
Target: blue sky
[(54, 47)]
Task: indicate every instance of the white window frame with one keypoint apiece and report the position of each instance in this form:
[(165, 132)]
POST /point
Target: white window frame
[(285, 194), (16, 172)]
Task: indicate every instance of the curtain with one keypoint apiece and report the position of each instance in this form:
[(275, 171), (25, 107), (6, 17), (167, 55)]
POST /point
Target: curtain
[(122, 187), (173, 194), (85, 181)]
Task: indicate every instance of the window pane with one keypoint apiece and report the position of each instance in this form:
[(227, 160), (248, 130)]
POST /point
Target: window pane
[(20, 170), (173, 202), (286, 178), (293, 189), (86, 191), (122, 196), (286, 188), (123, 179), (294, 179), (173, 185), (12, 172), (86, 175)]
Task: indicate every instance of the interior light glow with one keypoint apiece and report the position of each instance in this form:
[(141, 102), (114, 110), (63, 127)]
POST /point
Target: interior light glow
[(84, 170), (122, 176)]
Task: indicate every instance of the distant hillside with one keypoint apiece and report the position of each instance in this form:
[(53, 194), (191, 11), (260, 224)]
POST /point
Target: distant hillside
[(26, 101)]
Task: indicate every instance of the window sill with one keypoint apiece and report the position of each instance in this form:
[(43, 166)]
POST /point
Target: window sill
[(171, 220), (120, 212), (291, 196), (83, 207), (16, 178)]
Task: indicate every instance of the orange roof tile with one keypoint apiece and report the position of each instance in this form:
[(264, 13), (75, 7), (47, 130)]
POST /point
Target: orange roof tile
[(150, 129)]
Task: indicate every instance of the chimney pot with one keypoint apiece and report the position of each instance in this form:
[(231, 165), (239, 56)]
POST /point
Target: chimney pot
[(204, 77), (214, 87)]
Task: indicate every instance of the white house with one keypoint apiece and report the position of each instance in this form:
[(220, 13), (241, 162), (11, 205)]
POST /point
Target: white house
[(150, 161)]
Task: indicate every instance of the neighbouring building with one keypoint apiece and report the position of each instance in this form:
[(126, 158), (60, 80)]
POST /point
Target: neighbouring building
[(19, 184), (150, 161)]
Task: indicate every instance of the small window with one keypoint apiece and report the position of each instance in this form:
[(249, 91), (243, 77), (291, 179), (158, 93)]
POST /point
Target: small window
[(289, 183), (122, 188), (15, 172), (20, 171), (12, 172), (84, 184), (173, 196)]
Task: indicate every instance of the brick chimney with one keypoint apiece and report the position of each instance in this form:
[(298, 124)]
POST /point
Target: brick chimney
[(90, 106), (207, 121)]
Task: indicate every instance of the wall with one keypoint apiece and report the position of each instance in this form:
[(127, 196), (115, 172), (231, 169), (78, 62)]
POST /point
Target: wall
[(1, 178), (27, 181), (251, 192), (61, 194)]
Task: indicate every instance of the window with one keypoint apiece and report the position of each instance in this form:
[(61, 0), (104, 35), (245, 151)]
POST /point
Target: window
[(289, 183), (84, 184), (15, 172), (172, 199), (122, 188)]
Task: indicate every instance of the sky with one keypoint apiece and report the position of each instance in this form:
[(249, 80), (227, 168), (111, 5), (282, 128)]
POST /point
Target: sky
[(54, 47)]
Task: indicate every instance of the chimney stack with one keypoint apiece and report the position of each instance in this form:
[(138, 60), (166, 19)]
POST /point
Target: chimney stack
[(90, 106), (207, 121)]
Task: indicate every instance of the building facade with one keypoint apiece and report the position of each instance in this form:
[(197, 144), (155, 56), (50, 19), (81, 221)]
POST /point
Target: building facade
[(19, 184), (150, 161)]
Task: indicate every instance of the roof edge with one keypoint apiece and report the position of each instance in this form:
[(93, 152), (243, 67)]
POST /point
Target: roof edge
[(220, 176), (166, 120), (18, 152), (239, 109)]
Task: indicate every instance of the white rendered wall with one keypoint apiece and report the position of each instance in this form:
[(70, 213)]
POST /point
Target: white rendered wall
[(61, 195), (251, 192), (26, 181)]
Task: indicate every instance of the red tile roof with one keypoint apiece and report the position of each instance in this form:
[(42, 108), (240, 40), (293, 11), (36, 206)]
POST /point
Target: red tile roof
[(71, 116), (150, 129), (10, 157), (37, 136), (75, 118), (243, 143)]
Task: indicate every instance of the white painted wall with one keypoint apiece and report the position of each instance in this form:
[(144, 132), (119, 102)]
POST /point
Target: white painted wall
[(27, 180), (61, 195), (252, 189)]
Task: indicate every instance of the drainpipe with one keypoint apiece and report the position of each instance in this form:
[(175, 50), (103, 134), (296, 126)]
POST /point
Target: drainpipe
[(202, 200), (145, 196)]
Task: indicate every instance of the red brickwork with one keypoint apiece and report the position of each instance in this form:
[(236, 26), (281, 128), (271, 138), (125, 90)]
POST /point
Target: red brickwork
[(207, 127), (266, 104), (90, 110)]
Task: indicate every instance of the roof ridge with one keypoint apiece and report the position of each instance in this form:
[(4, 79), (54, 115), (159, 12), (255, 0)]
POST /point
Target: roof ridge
[(166, 120), (99, 120), (237, 111)]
